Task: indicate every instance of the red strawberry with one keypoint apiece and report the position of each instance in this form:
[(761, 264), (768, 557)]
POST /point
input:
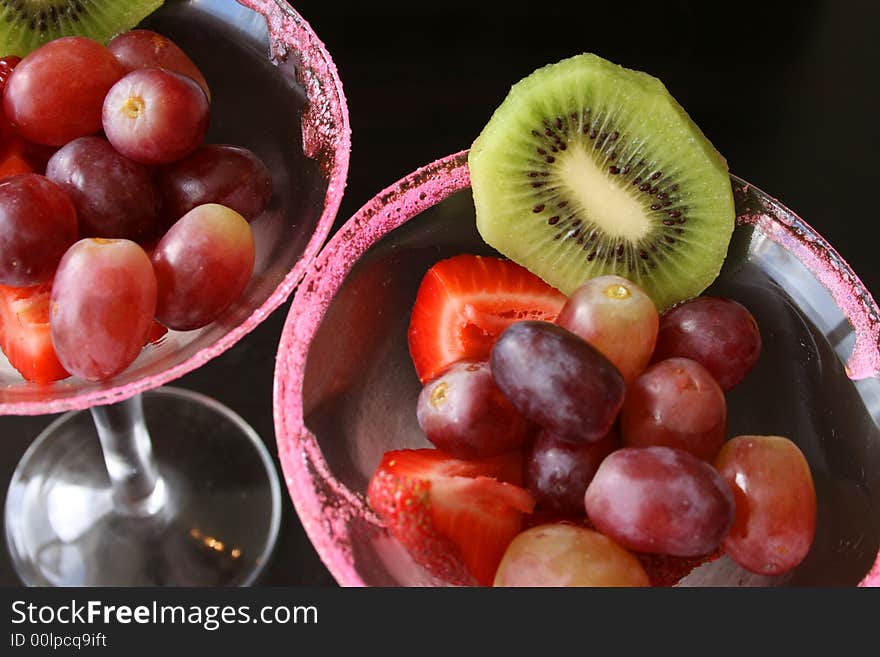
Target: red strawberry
[(465, 302), (24, 333), (453, 517)]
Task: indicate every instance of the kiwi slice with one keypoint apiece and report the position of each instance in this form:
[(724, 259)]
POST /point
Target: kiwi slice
[(25, 25), (588, 168)]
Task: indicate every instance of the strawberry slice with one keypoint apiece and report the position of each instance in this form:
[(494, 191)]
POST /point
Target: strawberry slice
[(453, 516), (24, 333), (465, 302)]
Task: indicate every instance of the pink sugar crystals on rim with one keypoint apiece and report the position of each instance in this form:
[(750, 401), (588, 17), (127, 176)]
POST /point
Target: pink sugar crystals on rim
[(345, 389), (297, 52)]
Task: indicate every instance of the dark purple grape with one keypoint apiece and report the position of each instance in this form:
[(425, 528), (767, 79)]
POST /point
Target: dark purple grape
[(557, 380), (660, 500), (155, 116), (557, 472), (464, 414), (718, 333), (113, 196), (216, 173), (37, 225)]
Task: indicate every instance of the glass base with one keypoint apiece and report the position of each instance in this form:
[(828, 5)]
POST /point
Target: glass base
[(212, 520)]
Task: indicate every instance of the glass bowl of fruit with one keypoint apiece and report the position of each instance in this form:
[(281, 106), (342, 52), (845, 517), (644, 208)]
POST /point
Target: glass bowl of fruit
[(161, 195), (583, 353)]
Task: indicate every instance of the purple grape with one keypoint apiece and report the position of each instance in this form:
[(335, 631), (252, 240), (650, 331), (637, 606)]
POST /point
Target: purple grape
[(557, 380), (155, 116), (464, 414), (720, 334), (660, 500), (557, 472), (113, 196), (216, 173), (37, 225)]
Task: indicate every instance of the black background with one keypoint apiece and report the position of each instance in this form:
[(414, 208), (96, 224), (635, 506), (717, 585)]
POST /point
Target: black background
[(788, 92)]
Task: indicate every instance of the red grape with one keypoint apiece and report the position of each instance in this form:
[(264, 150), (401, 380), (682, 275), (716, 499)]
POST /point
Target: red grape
[(718, 333), (216, 173), (660, 500), (55, 94), (7, 64), (557, 380), (618, 318), (557, 472), (464, 414), (146, 49), (567, 555), (102, 306), (114, 196), (37, 225), (203, 264), (775, 503), (155, 116), (676, 403)]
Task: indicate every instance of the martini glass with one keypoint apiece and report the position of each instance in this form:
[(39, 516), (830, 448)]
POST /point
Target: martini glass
[(139, 484), (343, 398)]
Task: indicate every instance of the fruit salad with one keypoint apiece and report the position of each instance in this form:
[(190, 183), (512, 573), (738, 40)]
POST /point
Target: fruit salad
[(117, 222), (575, 390)]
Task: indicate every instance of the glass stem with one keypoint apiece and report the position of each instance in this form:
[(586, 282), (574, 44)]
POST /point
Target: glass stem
[(138, 489)]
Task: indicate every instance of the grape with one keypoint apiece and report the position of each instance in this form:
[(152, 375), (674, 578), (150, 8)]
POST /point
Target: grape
[(464, 414), (155, 116), (618, 318), (37, 225), (676, 403), (660, 500), (720, 334), (203, 264), (7, 64), (567, 555), (557, 380), (56, 92), (146, 49), (113, 196), (102, 305), (217, 173), (557, 472), (775, 503)]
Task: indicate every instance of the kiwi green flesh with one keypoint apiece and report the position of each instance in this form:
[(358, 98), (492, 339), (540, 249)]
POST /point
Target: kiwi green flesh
[(25, 25), (588, 168)]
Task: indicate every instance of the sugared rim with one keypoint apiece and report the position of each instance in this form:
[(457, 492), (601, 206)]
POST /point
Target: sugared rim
[(305, 470), (326, 137)]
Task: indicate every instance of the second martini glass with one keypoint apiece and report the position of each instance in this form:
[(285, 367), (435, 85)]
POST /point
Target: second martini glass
[(160, 486)]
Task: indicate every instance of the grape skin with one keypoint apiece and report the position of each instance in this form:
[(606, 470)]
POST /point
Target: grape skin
[(113, 196), (718, 333), (155, 116), (464, 414), (101, 308), (56, 93), (616, 316), (660, 500), (557, 380), (37, 225), (567, 555), (676, 403), (775, 503), (203, 264)]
